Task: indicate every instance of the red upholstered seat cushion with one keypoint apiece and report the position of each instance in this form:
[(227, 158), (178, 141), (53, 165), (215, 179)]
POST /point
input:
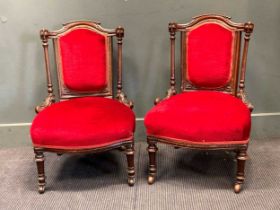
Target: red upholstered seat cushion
[(209, 55), (201, 117), (83, 56), (87, 122)]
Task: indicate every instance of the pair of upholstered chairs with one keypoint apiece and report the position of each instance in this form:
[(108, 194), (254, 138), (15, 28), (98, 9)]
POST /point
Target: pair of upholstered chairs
[(211, 111)]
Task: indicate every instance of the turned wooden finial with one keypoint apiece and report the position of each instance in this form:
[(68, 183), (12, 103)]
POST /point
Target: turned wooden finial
[(44, 35), (172, 27), (248, 29), (119, 35)]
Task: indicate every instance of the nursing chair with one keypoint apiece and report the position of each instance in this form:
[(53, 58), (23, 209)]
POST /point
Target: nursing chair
[(86, 118), (211, 112)]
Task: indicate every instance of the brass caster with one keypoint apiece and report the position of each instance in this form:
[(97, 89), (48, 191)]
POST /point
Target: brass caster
[(41, 189), (151, 179), (237, 188), (131, 181)]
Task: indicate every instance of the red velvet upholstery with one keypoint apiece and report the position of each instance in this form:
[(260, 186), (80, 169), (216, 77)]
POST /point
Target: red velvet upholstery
[(83, 55), (209, 55), (200, 117), (87, 122)]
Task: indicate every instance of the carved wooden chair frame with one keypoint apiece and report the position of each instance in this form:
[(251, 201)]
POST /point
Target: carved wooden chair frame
[(66, 94), (235, 87)]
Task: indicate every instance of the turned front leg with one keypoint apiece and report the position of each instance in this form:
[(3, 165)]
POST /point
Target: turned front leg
[(39, 158), (129, 151), (152, 149), (240, 175)]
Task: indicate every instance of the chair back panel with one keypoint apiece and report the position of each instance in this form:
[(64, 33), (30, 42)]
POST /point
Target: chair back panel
[(83, 55), (83, 60), (209, 55)]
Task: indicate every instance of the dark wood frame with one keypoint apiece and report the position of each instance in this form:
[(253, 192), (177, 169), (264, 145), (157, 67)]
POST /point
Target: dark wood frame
[(235, 87), (126, 145)]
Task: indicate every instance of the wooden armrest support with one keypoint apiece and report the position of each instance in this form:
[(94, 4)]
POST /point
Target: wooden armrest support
[(242, 95), (121, 97), (50, 99), (170, 92)]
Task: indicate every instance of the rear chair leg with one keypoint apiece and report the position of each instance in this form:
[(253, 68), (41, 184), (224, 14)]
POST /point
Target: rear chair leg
[(129, 151), (241, 159), (152, 149), (39, 158)]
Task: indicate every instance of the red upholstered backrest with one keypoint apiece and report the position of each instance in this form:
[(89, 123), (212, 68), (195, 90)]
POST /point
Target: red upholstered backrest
[(209, 49), (83, 60)]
